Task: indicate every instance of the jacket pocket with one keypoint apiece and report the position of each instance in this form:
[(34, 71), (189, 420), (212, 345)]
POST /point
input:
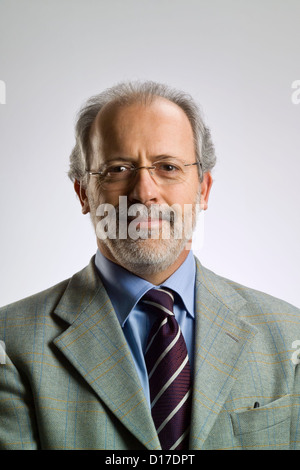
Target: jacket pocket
[(267, 427)]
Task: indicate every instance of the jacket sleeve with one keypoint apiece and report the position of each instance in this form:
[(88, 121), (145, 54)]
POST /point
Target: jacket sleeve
[(295, 424), (18, 430)]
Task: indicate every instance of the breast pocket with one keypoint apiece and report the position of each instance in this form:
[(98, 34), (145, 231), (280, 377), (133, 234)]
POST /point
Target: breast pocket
[(267, 427)]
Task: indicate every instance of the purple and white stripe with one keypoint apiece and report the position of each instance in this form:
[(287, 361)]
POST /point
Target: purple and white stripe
[(169, 373)]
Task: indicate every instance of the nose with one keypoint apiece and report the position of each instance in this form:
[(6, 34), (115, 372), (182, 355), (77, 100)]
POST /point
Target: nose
[(143, 189)]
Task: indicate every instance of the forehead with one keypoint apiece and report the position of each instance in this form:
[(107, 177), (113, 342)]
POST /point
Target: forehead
[(157, 128)]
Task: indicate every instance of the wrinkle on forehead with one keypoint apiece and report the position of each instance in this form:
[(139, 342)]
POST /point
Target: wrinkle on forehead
[(111, 123)]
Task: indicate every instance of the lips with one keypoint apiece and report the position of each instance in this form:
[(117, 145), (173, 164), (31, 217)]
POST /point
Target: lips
[(148, 222), (144, 219), (145, 216)]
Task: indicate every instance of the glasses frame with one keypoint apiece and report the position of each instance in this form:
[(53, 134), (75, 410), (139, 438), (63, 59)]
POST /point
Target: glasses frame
[(135, 169)]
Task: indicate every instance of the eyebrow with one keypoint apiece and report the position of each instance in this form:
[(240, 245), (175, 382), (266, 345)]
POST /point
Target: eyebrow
[(133, 159)]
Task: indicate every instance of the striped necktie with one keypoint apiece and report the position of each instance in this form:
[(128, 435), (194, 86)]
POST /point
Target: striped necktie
[(169, 373)]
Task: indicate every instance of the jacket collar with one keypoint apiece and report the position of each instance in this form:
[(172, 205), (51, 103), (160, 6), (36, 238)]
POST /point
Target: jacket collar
[(95, 345)]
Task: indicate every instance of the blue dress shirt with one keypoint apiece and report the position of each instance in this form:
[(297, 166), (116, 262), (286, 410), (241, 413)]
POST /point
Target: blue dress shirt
[(125, 289)]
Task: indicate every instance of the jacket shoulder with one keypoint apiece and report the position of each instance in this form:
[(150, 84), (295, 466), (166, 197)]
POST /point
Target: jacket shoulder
[(257, 301), (46, 299), (261, 300), (45, 302), (276, 320)]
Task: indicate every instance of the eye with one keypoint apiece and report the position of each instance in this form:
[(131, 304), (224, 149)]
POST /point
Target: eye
[(167, 167), (113, 170), (117, 169)]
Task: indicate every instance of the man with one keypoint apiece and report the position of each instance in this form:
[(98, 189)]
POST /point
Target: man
[(145, 348)]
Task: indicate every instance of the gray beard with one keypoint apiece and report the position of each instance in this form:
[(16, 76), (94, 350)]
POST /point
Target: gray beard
[(149, 255), (145, 256)]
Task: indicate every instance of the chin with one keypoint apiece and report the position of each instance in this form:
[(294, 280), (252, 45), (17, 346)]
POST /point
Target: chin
[(145, 256)]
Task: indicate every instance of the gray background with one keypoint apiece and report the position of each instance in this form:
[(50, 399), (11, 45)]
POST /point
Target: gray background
[(238, 58)]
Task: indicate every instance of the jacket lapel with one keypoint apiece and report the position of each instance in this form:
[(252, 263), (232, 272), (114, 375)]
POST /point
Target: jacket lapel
[(222, 340), (95, 345)]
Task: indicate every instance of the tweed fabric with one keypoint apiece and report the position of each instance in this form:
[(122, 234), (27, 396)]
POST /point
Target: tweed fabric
[(69, 381)]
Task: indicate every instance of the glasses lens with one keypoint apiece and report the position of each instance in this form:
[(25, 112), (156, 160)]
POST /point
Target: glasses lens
[(168, 172), (118, 172), (118, 175)]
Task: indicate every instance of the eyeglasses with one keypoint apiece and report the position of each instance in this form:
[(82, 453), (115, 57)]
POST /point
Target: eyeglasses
[(119, 174)]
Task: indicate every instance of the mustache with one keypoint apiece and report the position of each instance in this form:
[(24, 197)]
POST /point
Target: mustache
[(121, 221), (154, 211)]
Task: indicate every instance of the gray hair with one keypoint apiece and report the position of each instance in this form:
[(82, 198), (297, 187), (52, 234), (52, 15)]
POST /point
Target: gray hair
[(126, 93)]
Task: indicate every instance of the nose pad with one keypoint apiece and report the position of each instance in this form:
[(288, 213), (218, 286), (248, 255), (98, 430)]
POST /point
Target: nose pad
[(143, 186), (150, 170)]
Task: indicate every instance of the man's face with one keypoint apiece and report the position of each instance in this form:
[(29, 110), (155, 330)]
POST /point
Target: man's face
[(141, 135)]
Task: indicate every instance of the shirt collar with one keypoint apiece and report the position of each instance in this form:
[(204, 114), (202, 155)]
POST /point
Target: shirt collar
[(125, 289)]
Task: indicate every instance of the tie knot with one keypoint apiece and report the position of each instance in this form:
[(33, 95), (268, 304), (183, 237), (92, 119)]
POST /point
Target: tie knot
[(161, 299)]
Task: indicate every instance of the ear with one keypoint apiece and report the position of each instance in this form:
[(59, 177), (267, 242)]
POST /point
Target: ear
[(81, 193), (205, 190)]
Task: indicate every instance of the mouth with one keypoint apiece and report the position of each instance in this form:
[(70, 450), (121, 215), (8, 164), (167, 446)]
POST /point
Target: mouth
[(148, 222)]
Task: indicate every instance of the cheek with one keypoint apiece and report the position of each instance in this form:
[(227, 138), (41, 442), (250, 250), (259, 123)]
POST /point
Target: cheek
[(106, 197), (185, 193)]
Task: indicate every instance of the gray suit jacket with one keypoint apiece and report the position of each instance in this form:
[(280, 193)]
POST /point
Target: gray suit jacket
[(69, 381)]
